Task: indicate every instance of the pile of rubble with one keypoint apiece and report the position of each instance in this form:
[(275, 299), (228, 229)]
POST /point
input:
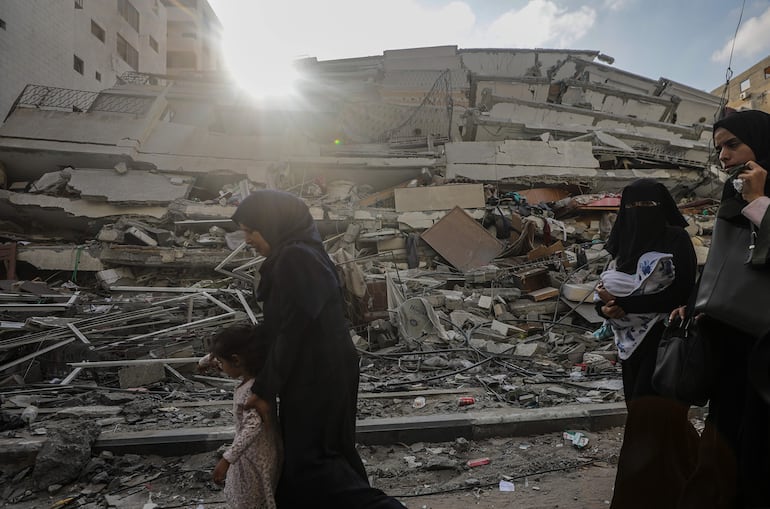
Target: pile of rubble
[(466, 210)]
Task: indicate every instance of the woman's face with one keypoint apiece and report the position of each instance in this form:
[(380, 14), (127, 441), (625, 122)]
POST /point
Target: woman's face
[(256, 240), (732, 151)]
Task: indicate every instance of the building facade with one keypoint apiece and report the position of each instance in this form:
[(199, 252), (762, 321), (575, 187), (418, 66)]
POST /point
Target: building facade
[(749, 89), (194, 36), (85, 45)]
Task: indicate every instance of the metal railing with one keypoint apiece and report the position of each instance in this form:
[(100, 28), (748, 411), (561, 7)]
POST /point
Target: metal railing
[(64, 99)]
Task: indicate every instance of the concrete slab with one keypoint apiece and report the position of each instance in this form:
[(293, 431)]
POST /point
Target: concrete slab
[(134, 186), (472, 425), (411, 199)]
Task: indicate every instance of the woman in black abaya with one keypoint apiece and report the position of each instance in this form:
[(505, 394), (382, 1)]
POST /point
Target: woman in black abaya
[(659, 443), (733, 468), (313, 365)]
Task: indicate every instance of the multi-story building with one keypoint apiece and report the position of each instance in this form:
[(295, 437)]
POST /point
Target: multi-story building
[(194, 36), (85, 45), (749, 89), (77, 44)]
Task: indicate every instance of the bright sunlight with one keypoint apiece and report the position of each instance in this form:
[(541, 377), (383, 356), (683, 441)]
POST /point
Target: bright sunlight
[(254, 53)]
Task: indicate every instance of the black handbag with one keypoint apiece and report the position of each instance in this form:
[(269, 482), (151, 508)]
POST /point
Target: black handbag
[(731, 289), (684, 368)]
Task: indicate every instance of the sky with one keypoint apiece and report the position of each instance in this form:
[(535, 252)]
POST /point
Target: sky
[(686, 41)]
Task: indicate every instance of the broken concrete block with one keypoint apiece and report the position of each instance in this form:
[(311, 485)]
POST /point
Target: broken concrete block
[(90, 412), (558, 391), (109, 233), (118, 276), (141, 236), (529, 349), (453, 302), (64, 454), (485, 302), (505, 329), (138, 376), (498, 348)]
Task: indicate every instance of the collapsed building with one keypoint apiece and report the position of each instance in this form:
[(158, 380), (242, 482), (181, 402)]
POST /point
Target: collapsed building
[(121, 258)]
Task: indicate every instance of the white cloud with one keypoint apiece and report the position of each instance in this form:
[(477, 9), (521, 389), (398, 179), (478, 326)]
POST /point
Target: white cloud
[(615, 5), (348, 28), (541, 22), (345, 28), (752, 39)]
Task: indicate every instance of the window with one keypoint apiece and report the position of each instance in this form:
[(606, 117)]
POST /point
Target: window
[(78, 64), (745, 85), (98, 76), (184, 59), (78, 4), (128, 53), (154, 44), (767, 73), (97, 31), (129, 13)]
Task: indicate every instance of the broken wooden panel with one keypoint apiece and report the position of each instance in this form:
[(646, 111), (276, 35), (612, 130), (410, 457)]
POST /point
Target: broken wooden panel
[(462, 241), (417, 199)]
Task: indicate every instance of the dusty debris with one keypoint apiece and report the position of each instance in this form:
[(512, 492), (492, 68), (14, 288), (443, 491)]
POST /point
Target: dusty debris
[(469, 255)]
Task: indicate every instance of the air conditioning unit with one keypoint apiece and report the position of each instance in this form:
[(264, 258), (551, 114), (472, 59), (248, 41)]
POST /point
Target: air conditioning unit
[(745, 95)]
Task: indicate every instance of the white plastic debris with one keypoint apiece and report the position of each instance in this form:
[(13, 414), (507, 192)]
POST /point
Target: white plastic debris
[(507, 486)]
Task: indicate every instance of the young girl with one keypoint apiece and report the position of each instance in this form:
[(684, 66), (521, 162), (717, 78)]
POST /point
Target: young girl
[(250, 467)]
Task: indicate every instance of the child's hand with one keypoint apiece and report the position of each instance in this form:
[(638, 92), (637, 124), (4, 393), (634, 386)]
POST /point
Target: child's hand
[(220, 471), (207, 363)]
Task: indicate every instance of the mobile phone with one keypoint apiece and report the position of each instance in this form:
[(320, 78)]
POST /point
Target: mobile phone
[(737, 170)]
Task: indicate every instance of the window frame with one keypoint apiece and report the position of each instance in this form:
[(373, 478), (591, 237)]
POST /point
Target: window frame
[(102, 33), (129, 13), (78, 65), (128, 52)]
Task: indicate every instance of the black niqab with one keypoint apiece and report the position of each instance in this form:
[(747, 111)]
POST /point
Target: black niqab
[(752, 127), (639, 230), (284, 221)]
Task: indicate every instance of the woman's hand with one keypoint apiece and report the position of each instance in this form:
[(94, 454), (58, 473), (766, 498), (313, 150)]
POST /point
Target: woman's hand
[(677, 313), (220, 471), (753, 177), (604, 294), (263, 408), (612, 310)]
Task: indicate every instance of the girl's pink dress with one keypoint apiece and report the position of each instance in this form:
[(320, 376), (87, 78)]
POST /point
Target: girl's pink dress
[(255, 457)]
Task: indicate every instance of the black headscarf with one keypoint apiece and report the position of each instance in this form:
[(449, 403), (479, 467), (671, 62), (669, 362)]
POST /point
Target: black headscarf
[(284, 220), (752, 127), (639, 230)]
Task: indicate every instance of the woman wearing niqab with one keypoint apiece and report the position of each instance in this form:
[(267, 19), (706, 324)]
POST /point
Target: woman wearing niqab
[(659, 443), (312, 366), (733, 469)]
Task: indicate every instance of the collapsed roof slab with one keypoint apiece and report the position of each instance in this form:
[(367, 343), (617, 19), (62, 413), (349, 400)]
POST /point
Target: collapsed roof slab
[(132, 186), (60, 257), (65, 214), (520, 62), (95, 257), (514, 158), (378, 172)]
